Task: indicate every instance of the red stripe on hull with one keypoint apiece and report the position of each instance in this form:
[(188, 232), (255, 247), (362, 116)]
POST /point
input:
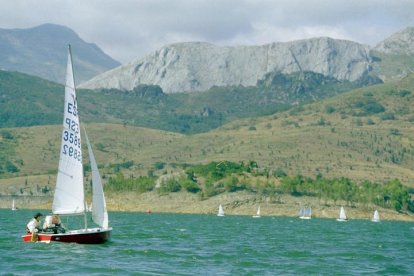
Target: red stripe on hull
[(96, 236)]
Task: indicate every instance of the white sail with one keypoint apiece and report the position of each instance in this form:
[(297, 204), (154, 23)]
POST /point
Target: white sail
[(342, 215), (69, 195), (13, 206), (221, 211), (257, 213), (301, 212), (376, 217), (305, 213), (99, 213)]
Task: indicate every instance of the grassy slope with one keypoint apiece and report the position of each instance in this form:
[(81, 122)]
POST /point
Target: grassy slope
[(392, 66), (308, 140)]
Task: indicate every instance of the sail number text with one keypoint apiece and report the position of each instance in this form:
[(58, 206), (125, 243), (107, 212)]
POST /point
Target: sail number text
[(71, 139), (72, 109)]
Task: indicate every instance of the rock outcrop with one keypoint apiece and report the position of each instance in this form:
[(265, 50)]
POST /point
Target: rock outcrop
[(399, 43), (198, 66)]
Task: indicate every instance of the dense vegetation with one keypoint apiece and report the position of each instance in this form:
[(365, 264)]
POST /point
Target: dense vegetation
[(7, 153), (218, 177), (30, 101)]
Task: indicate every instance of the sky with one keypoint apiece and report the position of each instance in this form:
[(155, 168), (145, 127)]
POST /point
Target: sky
[(130, 29)]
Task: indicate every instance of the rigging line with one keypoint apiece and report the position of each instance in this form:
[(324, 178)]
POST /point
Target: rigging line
[(62, 172)]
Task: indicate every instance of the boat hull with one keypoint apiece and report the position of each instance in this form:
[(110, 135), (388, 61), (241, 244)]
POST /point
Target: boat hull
[(343, 220), (83, 236), (305, 217)]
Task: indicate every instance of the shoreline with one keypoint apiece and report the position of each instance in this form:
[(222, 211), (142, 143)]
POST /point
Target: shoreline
[(238, 203)]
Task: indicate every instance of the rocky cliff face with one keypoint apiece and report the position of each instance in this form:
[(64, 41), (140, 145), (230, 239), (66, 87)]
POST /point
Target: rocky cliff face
[(399, 43), (394, 57), (196, 66)]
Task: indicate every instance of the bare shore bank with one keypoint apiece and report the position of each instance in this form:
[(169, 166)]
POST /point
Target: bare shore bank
[(240, 203)]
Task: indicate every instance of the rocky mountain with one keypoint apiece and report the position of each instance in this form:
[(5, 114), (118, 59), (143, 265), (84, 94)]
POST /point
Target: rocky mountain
[(41, 51), (399, 43), (394, 57), (197, 66)]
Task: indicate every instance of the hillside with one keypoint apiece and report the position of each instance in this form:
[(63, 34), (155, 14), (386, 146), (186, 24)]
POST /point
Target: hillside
[(365, 134), (149, 106), (41, 51), (393, 58)]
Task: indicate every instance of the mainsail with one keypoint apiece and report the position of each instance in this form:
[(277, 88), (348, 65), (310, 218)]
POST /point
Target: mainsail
[(69, 195)]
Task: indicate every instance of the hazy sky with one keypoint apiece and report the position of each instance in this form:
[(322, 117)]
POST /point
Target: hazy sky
[(130, 29)]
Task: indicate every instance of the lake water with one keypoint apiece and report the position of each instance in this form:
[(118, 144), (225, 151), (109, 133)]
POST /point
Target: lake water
[(210, 245)]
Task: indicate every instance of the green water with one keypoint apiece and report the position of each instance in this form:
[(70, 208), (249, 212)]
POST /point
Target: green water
[(210, 245)]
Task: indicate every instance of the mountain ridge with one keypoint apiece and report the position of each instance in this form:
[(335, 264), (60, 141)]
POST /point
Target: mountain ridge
[(198, 66), (41, 51)]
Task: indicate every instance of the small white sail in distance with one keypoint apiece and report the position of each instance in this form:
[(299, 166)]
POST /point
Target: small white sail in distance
[(342, 215), (99, 212), (257, 213), (375, 217), (220, 211), (305, 213)]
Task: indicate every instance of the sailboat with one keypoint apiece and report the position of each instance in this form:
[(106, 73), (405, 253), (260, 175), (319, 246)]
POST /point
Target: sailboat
[(13, 206), (69, 197), (342, 215), (257, 213), (376, 217), (220, 211), (305, 213)]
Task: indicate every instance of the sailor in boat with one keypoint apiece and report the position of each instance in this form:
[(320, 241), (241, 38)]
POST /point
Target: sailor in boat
[(33, 225), (53, 225)]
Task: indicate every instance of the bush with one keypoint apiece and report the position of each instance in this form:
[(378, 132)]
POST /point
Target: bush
[(373, 108), (159, 165), (388, 116), (232, 185), (329, 109), (170, 186), (11, 168), (279, 173), (7, 135), (190, 186)]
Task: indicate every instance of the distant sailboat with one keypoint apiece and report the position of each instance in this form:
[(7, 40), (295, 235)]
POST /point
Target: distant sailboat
[(13, 206), (305, 213), (342, 215), (376, 217), (220, 211), (257, 213)]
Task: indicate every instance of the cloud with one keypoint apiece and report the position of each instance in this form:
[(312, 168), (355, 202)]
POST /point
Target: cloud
[(129, 29)]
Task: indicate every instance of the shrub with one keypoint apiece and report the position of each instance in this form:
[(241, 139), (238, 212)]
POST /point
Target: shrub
[(11, 168), (252, 128), (388, 116), (329, 109), (190, 186), (170, 186), (232, 184), (279, 173), (373, 108), (159, 165)]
